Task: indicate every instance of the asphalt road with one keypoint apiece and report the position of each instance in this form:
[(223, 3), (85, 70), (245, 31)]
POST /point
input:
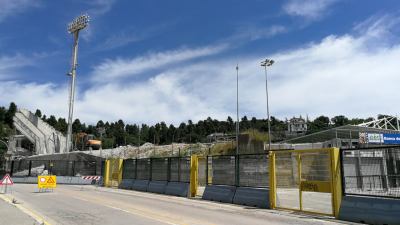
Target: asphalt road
[(11, 215), (98, 205)]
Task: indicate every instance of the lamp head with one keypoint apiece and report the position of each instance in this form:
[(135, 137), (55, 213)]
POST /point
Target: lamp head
[(267, 62), (78, 23)]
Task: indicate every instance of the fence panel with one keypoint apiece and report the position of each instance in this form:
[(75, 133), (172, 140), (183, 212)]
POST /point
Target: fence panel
[(372, 171), (159, 169), (84, 168), (129, 169), (221, 170), (20, 168), (143, 169), (253, 170)]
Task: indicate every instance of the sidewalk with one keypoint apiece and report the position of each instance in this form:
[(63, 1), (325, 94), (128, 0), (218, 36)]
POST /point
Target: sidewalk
[(11, 215)]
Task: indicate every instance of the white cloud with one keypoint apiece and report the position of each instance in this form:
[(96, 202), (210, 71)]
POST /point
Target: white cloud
[(12, 7), (110, 70), (337, 75), (252, 33), (310, 9), (100, 7), (9, 64)]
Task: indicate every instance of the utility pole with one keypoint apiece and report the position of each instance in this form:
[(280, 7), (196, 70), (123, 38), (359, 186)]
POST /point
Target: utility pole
[(74, 27)]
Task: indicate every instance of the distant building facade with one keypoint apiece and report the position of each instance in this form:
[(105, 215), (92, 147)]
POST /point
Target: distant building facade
[(296, 126)]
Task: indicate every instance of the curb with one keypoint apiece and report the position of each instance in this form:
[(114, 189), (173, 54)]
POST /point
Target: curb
[(39, 219)]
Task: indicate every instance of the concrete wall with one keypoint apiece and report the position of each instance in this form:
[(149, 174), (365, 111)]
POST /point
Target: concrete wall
[(60, 180), (161, 187)]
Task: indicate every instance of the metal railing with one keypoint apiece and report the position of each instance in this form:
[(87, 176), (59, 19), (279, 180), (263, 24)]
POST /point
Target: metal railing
[(31, 168), (371, 171), (246, 170), (175, 169)]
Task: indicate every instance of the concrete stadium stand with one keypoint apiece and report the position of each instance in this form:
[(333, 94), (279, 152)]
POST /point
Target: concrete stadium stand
[(126, 183), (249, 196), (370, 210), (140, 185), (157, 187), (177, 189), (219, 193)]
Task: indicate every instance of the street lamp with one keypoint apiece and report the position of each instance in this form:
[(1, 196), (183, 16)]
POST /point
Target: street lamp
[(265, 64), (237, 110), (74, 27)]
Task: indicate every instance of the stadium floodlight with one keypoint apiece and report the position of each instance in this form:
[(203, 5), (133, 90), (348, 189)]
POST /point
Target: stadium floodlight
[(78, 23), (74, 27), (265, 64)]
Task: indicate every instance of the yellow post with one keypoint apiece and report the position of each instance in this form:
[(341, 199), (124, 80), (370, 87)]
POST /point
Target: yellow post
[(107, 174), (194, 164), (272, 181), (299, 175), (120, 168), (336, 180)]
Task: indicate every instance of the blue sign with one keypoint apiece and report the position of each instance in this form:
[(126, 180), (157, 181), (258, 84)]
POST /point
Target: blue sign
[(391, 138)]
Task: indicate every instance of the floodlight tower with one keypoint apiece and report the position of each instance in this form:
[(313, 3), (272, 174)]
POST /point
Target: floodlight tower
[(265, 63), (74, 27)]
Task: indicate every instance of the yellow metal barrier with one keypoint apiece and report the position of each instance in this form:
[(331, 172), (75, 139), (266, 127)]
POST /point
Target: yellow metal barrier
[(194, 164), (314, 174), (113, 172)]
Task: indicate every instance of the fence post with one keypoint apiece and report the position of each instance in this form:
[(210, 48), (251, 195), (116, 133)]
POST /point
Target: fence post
[(106, 173), (151, 169), (12, 168), (30, 168), (120, 169), (73, 168), (206, 170), (136, 168), (336, 179), (169, 169), (179, 169), (194, 164), (272, 180)]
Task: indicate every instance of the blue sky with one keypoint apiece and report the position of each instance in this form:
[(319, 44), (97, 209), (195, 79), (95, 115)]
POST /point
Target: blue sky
[(151, 61)]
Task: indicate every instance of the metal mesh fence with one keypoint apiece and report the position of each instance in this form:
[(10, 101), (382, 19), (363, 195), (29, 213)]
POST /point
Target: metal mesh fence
[(222, 170), (129, 169), (253, 170), (143, 169), (372, 171), (159, 169), (54, 167)]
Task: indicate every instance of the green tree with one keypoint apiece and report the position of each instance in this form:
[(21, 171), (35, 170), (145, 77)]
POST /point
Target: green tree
[(12, 109)]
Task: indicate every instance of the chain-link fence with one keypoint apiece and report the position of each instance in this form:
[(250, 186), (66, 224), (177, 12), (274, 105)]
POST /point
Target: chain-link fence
[(371, 171), (243, 170), (25, 168), (158, 169)]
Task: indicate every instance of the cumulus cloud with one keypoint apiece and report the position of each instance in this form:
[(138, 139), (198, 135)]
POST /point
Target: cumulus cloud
[(336, 75), (309, 9)]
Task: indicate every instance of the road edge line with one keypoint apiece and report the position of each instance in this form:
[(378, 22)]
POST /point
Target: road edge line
[(25, 210)]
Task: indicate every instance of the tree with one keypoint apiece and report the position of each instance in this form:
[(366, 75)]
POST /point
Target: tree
[(52, 121), (12, 109), (76, 126), (38, 113), (340, 121)]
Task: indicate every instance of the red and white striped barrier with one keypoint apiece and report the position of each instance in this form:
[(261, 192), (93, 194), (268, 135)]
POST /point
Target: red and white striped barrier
[(91, 177)]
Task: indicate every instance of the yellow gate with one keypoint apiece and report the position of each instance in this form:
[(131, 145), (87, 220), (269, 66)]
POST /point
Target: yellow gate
[(306, 180), (113, 172)]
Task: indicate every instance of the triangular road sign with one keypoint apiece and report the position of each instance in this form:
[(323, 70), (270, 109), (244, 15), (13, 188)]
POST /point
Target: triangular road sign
[(6, 180), (50, 180)]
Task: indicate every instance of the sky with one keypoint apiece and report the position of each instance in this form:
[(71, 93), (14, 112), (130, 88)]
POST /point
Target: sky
[(151, 61)]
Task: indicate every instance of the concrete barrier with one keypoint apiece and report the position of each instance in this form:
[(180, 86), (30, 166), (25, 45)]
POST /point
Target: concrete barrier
[(256, 197), (126, 183), (140, 185), (177, 188), (157, 187), (60, 180), (370, 210), (219, 193)]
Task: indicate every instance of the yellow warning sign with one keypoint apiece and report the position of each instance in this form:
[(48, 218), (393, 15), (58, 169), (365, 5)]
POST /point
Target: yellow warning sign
[(47, 181)]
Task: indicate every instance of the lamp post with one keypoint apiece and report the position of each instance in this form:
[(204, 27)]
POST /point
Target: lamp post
[(74, 27), (237, 109), (265, 64)]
